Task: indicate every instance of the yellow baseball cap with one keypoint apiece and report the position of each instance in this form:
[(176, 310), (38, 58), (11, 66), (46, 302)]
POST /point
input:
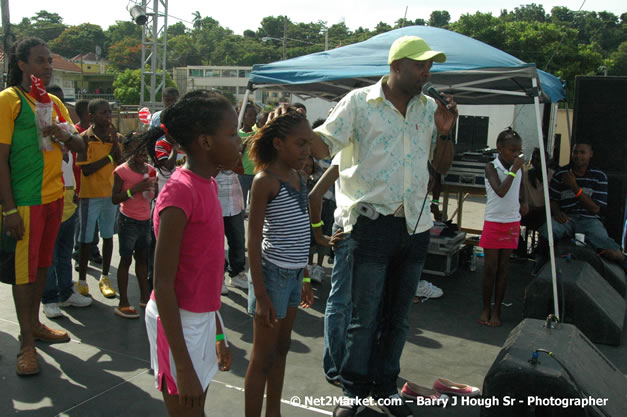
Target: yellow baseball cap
[(415, 48)]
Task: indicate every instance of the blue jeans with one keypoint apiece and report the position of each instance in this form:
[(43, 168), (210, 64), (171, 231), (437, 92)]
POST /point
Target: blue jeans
[(596, 235), (388, 263), (338, 311), (235, 236), (59, 281)]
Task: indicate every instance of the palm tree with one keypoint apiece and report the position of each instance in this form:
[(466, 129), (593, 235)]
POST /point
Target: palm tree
[(197, 21)]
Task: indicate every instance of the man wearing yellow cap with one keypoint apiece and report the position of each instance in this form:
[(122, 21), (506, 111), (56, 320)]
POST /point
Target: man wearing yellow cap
[(387, 133)]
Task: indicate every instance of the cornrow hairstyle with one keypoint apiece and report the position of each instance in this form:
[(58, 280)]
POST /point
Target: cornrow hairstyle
[(507, 135), (95, 104), (20, 51), (193, 115), (262, 151)]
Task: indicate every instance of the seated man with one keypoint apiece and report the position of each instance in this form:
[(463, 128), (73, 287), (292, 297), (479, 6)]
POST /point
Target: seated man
[(577, 193)]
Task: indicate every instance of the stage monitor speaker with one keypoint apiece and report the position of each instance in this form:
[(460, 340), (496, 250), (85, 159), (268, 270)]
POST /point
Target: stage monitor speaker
[(576, 371), (599, 117), (586, 300), (612, 272)]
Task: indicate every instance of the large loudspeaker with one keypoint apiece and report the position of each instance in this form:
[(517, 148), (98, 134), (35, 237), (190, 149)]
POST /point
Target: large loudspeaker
[(599, 117), (586, 299), (612, 272), (514, 387)]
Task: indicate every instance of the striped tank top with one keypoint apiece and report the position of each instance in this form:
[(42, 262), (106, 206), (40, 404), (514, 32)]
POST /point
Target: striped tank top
[(286, 230)]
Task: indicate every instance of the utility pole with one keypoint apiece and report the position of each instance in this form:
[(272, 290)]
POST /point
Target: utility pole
[(7, 39), (154, 54)]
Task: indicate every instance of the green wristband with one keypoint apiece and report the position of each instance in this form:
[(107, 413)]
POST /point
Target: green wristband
[(129, 193), (306, 279), (110, 158), (513, 174), (219, 337), (320, 223)]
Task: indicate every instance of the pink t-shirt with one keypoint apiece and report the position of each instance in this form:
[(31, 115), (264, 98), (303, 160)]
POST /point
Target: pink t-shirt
[(138, 207), (201, 259)]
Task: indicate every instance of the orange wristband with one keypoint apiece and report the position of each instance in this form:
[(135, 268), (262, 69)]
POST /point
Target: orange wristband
[(579, 192)]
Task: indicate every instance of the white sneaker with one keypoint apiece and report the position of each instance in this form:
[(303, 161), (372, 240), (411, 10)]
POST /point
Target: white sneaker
[(76, 300), (52, 311), (317, 273), (225, 290), (239, 281), (428, 290)]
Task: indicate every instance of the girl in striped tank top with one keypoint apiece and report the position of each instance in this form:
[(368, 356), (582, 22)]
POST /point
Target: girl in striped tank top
[(278, 249)]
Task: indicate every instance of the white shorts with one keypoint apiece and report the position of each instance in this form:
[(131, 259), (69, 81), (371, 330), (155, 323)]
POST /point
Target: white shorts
[(199, 331)]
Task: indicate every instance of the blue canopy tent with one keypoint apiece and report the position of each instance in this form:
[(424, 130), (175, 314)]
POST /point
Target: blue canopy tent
[(474, 73)]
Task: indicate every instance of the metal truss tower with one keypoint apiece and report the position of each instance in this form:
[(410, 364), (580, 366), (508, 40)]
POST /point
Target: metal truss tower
[(154, 41)]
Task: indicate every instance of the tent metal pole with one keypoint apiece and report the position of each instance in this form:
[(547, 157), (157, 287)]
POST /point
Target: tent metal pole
[(240, 118), (545, 187), (570, 135)]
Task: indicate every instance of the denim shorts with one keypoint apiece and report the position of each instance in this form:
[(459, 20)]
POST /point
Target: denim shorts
[(92, 210), (283, 286), (132, 235)]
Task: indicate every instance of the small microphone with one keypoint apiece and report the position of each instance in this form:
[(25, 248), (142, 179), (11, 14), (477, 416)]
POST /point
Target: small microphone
[(429, 90)]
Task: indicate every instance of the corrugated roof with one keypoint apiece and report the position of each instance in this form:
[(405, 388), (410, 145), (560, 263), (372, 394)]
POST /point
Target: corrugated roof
[(62, 64)]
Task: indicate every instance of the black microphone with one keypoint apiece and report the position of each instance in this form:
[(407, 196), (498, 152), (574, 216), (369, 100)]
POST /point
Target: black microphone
[(429, 90)]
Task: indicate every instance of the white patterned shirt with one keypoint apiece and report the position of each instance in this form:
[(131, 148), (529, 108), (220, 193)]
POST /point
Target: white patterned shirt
[(229, 193), (384, 155)]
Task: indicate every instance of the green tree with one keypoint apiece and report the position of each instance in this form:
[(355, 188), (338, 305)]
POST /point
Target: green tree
[(439, 18), (78, 40), (618, 61), (481, 26), (127, 86), (176, 29), (182, 51), (126, 54), (526, 13), (122, 30), (46, 25)]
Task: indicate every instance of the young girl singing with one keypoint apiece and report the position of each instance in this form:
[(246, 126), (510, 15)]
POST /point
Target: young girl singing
[(502, 221), (278, 249)]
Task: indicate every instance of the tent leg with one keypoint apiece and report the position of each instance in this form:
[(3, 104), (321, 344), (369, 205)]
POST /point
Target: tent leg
[(547, 206), (240, 118)]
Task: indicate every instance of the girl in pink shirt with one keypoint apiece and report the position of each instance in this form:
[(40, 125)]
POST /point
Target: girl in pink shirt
[(181, 316), (134, 187)]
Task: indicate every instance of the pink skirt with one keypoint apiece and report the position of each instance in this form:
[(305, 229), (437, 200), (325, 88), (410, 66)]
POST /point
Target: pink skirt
[(500, 235)]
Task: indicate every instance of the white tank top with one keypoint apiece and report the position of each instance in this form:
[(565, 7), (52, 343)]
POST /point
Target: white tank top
[(504, 209)]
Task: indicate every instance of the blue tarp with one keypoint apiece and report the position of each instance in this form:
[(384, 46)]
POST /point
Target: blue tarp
[(471, 67)]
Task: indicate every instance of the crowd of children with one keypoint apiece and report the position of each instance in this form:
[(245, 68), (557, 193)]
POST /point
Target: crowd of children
[(98, 184)]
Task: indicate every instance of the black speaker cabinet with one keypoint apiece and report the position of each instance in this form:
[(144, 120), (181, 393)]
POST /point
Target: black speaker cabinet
[(614, 214), (599, 117), (557, 385), (612, 272), (586, 300)]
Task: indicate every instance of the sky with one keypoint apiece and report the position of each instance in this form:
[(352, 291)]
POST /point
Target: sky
[(247, 14)]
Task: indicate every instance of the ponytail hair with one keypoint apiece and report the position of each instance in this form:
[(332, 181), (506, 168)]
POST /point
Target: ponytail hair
[(262, 151), (20, 51), (507, 135), (196, 113)]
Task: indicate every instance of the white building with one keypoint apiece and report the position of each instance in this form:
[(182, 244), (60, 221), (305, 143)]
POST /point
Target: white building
[(227, 79)]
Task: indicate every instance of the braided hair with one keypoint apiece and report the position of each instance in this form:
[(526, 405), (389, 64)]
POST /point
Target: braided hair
[(20, 51), (262, 151), (194, 115), (507, 135)]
